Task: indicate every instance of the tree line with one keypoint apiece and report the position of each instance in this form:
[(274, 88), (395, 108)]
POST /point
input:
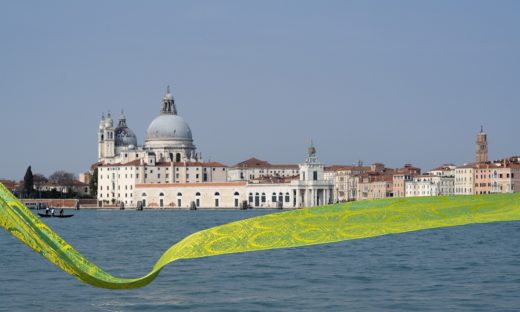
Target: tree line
[(33, 185)]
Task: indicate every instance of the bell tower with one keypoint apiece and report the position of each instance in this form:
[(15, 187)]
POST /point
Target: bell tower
[(106, 138), (481, 147), (101, 138)]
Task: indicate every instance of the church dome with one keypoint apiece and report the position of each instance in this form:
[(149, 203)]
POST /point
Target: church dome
[(124, 136), (168, 127)]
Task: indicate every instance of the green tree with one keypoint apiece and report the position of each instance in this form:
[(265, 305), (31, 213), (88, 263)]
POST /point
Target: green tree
[(28, 183), (93, 183)]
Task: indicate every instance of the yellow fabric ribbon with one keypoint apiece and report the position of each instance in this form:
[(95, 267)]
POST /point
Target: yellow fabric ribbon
[(303, 227)]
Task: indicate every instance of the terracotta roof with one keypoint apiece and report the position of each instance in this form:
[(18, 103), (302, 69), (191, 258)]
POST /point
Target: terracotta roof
[(271, 179), (344, 168), (480, 166), (337, 168), (376, 177), (200, 184), (408, 169), (130, 163), (257, 163), (95, 165), (445, 167), (252, 162)]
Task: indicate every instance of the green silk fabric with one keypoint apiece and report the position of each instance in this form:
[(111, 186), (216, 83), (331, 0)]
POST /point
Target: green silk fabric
[(302, 227)]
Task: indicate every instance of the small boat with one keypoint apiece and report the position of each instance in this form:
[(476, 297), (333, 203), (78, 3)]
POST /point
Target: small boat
[(44, 215)]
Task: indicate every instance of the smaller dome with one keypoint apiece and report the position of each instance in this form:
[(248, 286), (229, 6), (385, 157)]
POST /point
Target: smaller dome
[(124, 136)]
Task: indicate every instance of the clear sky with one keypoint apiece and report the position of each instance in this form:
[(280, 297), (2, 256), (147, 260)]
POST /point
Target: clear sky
[(379, 81)]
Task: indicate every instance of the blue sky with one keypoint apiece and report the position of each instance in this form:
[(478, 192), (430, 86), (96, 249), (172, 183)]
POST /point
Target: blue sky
[(379, 81)]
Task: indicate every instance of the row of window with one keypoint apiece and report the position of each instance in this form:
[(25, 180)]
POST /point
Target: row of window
[(118, 187), (118, 195), (274, 198)]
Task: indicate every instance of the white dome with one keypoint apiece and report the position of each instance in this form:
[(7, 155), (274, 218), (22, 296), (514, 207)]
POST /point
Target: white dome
[(168, 127)]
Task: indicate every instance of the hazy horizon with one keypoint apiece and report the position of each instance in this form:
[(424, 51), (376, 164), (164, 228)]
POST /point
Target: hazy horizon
[(393, 82)]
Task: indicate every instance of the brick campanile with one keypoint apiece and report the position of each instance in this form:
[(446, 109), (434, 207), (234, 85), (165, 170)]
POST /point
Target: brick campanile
[(481, 155)]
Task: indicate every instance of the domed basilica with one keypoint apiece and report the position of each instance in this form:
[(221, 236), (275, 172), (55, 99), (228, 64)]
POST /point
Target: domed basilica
[(166, 172), (168, 138)]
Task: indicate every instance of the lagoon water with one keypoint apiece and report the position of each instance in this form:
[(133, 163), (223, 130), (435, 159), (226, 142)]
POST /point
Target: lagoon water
[(468, 268)]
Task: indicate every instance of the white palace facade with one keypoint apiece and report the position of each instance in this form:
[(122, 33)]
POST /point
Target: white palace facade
[(167, 171)]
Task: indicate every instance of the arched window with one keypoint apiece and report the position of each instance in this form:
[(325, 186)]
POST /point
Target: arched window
[(236, 199), (197, 199), (280, 197), (179, 199), (250, 197), (273, 199), (162, 194), (263, 198), (287, 197), (217, 199), (144, 194)]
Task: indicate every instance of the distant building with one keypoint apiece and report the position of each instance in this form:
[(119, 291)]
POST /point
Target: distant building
[(464, 180), (73, 186), (84, 177), (345, 181), (481, 153), (11, 185), (430, 185), (487, 178), (447, 181), (308, 188), (253, 168), (375, 184), (401, 177)]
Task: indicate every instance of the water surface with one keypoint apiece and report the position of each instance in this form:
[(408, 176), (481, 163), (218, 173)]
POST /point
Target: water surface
[(468, 268)]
